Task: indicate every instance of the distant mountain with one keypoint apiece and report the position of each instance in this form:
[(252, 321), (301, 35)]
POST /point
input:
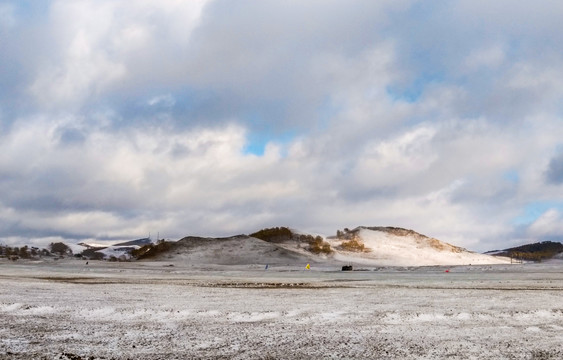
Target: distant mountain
[(121, 251), (92, 245), (532, 252), (139, 242)]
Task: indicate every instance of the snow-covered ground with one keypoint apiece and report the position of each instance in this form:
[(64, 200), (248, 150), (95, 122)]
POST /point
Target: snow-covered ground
[(151, 310)]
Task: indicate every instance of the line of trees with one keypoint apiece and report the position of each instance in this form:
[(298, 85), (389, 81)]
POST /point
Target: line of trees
[(23, 252), (275, 234), (534, 252), (26, 252)]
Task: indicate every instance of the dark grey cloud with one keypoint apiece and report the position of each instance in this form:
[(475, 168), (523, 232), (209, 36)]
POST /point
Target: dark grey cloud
[(71, 136), (554, 174), (16, 230)]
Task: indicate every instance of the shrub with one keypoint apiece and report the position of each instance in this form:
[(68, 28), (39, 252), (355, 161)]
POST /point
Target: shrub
[(346, 234), (353, 245), (316, 244), (93, 254), (276, 234)]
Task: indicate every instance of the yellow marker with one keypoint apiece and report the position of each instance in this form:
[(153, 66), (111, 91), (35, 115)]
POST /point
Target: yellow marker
[(308, 267)]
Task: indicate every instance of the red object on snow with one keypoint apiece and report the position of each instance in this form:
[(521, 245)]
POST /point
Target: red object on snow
[(448, 270)]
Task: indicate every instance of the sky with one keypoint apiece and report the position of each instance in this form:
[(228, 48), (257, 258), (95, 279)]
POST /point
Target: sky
[(120, 119)]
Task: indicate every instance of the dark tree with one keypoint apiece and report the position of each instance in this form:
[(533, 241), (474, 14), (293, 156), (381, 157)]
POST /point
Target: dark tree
[(24, 252), (60, 248)]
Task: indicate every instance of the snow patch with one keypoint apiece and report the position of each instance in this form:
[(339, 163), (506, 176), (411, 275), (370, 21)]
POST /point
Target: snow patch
[(253, 317)]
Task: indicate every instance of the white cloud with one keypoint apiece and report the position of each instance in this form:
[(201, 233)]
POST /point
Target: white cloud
[(83, 73), (540, 79), (491, 57), (136, 171), (162, 100), (550, 223), (392, 163), (137, 114), (98, 46)]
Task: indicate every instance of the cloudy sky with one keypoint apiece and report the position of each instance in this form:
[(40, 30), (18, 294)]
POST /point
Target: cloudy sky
[(215, 117)]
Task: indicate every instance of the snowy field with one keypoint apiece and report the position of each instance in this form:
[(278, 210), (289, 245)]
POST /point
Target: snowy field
[(67, 310)]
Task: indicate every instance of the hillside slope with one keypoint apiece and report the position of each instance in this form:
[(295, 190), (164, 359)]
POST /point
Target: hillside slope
[(235, 250), (388, 246), (533, 252), (368, 246)]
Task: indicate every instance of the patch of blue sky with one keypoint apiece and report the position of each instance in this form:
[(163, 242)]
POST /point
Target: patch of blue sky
[(255, 146), (409, 95), (264, 126), (511, 176), (413, 91), (185, 107), (32, 9), (257, 141), (326, 112), (534, 210)]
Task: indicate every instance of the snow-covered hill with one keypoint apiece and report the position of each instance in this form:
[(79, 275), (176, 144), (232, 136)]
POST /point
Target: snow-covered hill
[(235, 250), (387, 246)]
